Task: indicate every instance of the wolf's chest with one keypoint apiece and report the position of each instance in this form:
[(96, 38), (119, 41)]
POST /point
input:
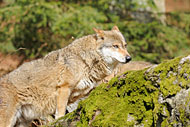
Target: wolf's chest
[(85, 83), (83, 87)]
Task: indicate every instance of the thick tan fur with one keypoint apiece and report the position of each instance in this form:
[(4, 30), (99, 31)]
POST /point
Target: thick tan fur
[(46, 86)]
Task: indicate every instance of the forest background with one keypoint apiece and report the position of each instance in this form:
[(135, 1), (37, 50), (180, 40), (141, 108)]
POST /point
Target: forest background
[(32, 28)]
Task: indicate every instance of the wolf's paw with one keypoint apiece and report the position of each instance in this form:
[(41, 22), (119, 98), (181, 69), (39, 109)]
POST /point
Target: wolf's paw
[(57, 116), (50, 119), (105, 81)]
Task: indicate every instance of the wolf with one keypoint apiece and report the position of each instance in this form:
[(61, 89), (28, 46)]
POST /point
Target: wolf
[(47, 85)]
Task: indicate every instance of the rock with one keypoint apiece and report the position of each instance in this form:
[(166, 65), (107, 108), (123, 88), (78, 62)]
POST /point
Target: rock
[(156, 96)]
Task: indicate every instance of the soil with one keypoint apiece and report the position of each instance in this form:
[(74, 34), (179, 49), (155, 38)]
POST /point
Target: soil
[(9, 62)]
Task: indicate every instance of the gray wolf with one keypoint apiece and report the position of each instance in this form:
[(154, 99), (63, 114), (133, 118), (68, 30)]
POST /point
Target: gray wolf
[(46, 86)]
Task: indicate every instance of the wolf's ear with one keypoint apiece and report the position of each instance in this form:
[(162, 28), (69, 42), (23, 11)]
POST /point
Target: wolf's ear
[(100, 33), (115, 28)]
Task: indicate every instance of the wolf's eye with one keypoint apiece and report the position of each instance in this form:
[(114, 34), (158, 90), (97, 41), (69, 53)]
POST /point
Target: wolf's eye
[(115, 46), (125, 45)]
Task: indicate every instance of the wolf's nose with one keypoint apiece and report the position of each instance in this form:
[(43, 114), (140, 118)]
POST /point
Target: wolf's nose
[(127, 59)]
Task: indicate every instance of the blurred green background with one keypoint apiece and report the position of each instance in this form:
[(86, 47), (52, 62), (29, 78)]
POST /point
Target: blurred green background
[(40, 26)]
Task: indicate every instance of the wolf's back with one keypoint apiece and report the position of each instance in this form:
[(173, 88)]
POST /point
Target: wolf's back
[(31, 71)]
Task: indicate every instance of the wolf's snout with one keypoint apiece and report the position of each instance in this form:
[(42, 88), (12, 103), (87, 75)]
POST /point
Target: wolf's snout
[(127, 59)]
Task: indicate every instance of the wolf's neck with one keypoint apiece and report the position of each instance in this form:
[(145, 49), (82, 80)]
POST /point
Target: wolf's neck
[(100, 70)]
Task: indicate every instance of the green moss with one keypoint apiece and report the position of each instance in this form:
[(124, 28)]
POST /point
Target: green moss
[(117, 99), (135, 94), (167, 74)]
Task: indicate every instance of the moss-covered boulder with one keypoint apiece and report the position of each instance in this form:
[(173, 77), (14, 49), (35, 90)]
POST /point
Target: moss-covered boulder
[(158, 96)]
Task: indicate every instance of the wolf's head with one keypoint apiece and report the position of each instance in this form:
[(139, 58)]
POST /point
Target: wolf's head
[(112, 46)]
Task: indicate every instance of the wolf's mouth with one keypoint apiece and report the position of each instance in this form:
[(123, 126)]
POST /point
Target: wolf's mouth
[(127, 59), (124, 62)]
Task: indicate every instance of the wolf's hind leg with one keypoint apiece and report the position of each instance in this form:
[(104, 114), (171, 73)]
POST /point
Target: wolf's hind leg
[(9, 107)]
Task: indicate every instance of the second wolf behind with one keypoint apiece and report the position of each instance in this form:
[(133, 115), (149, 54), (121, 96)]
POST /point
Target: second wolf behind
[(46, 86)]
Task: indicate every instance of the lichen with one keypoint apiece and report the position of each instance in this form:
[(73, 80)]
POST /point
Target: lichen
[(137, 98)]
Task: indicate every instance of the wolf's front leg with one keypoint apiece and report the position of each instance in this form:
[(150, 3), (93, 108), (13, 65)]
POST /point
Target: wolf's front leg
[(62, 99)]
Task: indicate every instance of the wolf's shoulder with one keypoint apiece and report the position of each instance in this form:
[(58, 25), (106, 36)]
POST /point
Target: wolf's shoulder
[(83, 41)]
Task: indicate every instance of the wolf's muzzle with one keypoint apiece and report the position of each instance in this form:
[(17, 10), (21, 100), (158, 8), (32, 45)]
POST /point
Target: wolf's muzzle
[(127, 59)]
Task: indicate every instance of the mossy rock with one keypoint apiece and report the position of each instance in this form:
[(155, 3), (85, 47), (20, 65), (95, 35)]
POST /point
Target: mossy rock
[(158, 96)]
